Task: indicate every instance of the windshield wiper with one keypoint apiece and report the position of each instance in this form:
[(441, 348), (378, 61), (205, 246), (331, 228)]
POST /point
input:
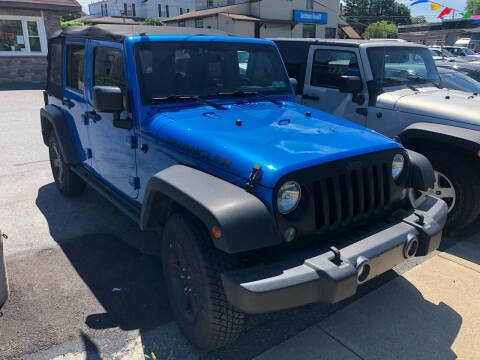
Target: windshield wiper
[(421, 79), (249, 93), (396, 81), (178, 98)]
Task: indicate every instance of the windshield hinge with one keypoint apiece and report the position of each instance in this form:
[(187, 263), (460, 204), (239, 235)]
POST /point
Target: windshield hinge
[(254, 178), (132, 141), (134, 182)]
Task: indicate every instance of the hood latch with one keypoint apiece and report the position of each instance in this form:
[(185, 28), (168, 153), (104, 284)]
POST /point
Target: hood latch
[(254, 178)]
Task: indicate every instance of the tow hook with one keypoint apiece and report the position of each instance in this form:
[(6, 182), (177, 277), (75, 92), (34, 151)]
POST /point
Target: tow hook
[(336, 255)]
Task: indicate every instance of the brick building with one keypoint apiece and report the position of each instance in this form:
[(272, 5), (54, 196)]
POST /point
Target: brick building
[(25, 26)]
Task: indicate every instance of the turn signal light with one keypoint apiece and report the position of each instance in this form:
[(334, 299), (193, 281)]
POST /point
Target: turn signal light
[(216, 232)]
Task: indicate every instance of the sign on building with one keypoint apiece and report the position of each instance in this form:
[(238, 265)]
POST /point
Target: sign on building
[(310, 16)]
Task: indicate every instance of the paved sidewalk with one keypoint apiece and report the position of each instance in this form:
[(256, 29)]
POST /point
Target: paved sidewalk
[(431, 312)]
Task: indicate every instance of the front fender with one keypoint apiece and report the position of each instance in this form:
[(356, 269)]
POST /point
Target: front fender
[(245, 222), (449, 136)]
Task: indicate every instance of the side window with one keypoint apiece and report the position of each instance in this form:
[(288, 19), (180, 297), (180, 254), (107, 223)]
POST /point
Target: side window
[(329, 65), (75, 67), (108, 68)]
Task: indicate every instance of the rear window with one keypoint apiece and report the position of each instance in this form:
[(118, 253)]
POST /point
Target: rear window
[(55, 70), (330, 65)]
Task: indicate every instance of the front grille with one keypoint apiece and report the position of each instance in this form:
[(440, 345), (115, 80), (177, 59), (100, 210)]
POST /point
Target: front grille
[(343, 195), (347, 197)]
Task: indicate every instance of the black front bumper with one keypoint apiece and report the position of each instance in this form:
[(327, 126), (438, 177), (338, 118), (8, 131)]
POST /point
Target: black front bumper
[(323, 277)]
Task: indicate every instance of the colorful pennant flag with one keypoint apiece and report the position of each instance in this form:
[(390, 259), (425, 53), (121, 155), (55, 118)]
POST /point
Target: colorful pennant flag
[(447, 10), (444, 12), (418, 2)]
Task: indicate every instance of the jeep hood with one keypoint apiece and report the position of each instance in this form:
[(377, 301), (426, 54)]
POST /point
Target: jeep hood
[(280, 139), (450, 105)]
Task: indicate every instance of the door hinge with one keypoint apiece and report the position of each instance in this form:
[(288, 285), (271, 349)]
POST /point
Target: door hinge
[(134, 182), (89, 153), (362, 111), (132, 141)]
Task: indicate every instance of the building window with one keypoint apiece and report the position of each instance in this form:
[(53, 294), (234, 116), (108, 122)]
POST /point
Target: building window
[(181, 24), (125, 9), (167, 11), (199, 23), (309, 31), (181, 11), (159, 10), (309, 4), (330, 33), (134, 13), (188, 10), (209, 3), (75, 67), (22, 35)]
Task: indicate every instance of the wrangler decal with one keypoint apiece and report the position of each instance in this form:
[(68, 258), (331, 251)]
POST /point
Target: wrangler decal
[(204, 154)]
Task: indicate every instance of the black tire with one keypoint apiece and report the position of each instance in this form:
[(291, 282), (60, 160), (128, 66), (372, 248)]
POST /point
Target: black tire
[(198, 300), (466, 182), (67, 182)]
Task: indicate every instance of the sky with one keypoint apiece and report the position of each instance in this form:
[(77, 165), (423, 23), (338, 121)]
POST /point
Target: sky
[(420, 9), (84, 4), (431, 16)]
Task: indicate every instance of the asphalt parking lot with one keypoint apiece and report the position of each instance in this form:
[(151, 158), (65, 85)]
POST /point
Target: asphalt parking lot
[(78, 287)]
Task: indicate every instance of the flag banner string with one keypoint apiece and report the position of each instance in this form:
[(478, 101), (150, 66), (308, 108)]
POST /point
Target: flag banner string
[(447, 10)]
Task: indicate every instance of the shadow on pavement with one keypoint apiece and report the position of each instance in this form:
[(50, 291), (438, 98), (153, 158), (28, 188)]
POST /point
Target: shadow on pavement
[(127, 283), (466, 244)]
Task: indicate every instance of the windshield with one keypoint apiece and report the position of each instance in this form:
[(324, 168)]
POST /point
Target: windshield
[(393, 66), (469, 51), (201, 69), (458, 81)]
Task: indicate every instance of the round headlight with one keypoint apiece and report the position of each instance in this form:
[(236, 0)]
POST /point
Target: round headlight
[(288, 197), (397, 165)]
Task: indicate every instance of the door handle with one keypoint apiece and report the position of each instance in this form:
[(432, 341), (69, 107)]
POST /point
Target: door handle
[(362, 111), (68, 103), (310, 96), (93, 115)]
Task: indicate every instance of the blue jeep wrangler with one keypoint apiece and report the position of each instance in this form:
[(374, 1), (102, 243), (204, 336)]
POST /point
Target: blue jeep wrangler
[(260, 203)]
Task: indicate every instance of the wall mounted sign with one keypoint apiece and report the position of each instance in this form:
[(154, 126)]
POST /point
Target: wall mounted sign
[(310, 16)]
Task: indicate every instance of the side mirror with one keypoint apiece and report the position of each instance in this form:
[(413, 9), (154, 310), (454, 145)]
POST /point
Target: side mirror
[(107, 99), (350, 84), (294, 83)]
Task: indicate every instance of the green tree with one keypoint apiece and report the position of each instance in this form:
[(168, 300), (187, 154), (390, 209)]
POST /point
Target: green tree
[(361, 13), (381, 29), (419, 19), (473, 7), (153, 21)]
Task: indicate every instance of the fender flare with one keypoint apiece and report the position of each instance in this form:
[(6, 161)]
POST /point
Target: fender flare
[(52, 118), (245, 222), (465, 139)]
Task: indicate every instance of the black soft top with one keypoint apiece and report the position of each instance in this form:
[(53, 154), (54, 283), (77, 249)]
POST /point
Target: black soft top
[(118, 33)]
